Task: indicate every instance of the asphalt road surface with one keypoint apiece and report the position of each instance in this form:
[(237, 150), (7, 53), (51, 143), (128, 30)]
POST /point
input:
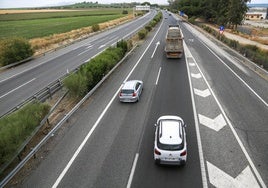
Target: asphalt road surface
[(110, 144)]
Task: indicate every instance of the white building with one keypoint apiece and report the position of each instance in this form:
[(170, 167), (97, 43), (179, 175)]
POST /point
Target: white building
[(256, 14), (141, 8)]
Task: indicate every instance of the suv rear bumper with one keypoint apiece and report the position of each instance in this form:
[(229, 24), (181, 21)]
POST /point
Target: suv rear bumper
[(164, 162)]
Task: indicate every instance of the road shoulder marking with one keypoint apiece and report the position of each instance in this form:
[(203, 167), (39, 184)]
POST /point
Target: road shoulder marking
[(132, 170)]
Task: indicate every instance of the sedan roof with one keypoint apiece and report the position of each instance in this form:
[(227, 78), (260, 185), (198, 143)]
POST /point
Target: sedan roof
[(130, 84)]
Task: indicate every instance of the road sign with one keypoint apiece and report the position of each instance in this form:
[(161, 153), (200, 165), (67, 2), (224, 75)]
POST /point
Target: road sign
[(221, 29)]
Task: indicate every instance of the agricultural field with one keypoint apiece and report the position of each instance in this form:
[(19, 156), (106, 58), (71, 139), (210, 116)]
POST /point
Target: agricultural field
[(34, 24)]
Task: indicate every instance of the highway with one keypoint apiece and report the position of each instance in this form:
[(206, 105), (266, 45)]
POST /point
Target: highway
[(110, 144), (18, 84)]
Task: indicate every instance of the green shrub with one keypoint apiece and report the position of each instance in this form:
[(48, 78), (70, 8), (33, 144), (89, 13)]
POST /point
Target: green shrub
[(142, 33), (92, 72), (148, 27), (13, 50), (232, 43), (17, 127), (123, 44), (95, 27), (158, 17), (124, 12), (77, 84), (192, 20), (152, 23)]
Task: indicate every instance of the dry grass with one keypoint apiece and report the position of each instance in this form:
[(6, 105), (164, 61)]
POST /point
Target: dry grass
[(7, 11), (259, 35), (44, 44)]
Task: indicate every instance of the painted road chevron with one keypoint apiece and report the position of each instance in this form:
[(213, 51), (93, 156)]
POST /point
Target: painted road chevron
[(202, 93), (198, 75), (220, 179), (216, 124)]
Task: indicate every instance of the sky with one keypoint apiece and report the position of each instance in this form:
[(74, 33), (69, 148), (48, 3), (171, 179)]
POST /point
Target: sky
[(40, 3)]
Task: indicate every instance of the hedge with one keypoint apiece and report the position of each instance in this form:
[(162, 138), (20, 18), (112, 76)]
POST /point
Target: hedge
[(92, 72)]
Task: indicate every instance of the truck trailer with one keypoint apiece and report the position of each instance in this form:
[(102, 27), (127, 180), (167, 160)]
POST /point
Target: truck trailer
[(174, 42)]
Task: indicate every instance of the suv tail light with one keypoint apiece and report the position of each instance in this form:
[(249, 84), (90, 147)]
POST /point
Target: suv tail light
[(157, 152), (183, 153), (134, 94)]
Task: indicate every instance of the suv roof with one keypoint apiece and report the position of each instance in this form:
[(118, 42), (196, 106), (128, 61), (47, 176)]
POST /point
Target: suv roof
[(170, 132)]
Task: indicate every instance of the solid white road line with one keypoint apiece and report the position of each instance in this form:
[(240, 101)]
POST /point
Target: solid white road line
[(98, 120), (17, 88), (132, 170), (198, 136), (158, 75)]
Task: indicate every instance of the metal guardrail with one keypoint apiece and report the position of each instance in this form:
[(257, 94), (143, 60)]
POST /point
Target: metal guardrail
[(41, 95), (16, 63)]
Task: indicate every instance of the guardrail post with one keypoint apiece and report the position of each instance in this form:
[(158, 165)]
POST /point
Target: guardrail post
[(35, 97), (50, 93), (19, 157), (60, 82)]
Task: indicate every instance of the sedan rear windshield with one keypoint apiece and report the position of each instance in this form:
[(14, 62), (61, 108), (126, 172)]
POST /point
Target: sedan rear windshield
[(127, 91)]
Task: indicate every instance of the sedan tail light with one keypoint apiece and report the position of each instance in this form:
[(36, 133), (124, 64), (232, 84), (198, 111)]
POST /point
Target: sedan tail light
[(157, 152), (134, 94), (183, 153)]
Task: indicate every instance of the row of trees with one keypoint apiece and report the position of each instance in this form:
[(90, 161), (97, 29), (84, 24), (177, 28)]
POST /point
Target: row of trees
[(223, 12), (114, 5)]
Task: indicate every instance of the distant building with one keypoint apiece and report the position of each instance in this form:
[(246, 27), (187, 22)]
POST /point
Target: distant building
[(257, 13), (143, 8)]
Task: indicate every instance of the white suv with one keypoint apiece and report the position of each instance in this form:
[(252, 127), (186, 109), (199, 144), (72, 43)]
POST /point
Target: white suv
[(170, 145)]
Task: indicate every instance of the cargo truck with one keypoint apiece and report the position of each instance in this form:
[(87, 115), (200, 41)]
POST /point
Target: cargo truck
[(174, 42)]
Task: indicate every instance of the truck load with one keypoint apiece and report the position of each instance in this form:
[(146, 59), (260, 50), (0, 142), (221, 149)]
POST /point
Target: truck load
[(174, 42)]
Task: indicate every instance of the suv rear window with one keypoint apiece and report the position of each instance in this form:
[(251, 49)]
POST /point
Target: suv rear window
[(170, 147)]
